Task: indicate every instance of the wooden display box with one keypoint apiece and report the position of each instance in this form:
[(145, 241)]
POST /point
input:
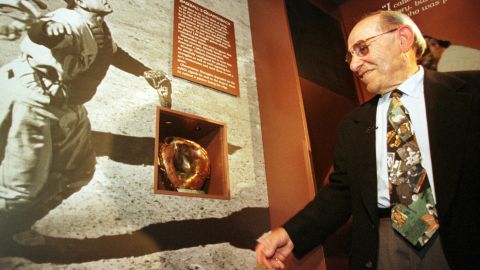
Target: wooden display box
[(211, 135)]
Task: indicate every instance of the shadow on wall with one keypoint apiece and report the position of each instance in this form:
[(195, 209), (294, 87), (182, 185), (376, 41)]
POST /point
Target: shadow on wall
[(239, 229), (128, 149)]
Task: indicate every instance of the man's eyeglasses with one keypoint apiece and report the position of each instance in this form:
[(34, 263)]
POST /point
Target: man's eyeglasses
[(360, 48)]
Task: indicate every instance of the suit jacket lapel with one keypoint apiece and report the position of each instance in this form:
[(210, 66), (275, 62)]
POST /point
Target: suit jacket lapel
[(447, 114), (365, 154)]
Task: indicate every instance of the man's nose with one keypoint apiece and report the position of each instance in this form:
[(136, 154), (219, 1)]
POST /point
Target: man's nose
[(355, 63)]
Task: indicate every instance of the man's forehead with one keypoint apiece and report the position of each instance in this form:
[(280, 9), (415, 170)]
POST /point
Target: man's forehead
[(364, 29)]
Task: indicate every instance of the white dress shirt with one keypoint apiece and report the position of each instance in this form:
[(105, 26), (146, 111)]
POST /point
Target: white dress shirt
[(414, 101)]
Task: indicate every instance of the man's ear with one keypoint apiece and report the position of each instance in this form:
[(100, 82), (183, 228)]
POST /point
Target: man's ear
[(407, 38)]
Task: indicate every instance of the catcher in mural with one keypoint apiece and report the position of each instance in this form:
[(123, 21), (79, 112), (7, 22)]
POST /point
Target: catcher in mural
[(45, 136)]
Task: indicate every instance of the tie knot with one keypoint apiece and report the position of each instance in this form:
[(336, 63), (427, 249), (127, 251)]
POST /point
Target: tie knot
[(396, 93)]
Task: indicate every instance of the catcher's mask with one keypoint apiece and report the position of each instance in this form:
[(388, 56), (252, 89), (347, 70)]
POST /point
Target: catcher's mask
[(70, 3), (184, 163)]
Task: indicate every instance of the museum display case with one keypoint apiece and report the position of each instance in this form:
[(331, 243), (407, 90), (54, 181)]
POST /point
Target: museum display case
[(190, 148)]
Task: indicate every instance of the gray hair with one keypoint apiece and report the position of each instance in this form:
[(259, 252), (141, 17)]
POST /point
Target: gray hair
[(391, 18)]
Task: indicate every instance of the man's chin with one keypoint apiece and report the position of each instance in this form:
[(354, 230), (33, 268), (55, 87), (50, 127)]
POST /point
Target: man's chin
[(372, 89)]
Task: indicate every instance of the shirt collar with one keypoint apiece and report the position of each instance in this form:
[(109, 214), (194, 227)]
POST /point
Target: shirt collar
[(412, 86)]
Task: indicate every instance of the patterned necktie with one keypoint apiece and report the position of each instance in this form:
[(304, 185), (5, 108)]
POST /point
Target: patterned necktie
[(414, 214)]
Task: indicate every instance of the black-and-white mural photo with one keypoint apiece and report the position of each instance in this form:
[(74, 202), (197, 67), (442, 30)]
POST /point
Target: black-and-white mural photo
[(80, 84)]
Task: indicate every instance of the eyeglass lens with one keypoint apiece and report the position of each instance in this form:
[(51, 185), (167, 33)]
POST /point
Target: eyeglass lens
[(360, 49)]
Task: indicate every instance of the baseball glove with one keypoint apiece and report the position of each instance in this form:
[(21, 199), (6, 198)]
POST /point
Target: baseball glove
[(184, 163), (159, 81)]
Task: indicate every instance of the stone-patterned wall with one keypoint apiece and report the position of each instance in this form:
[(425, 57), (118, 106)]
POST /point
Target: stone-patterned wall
[(116, 222)]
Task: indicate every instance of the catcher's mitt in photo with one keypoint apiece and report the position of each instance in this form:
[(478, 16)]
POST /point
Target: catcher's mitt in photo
[(159, 80)]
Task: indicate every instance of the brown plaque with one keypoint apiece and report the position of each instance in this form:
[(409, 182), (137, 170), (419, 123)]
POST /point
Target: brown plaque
[(204, 49)]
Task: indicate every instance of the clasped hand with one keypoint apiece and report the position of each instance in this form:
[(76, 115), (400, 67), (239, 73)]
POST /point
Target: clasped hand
[(273, 248)]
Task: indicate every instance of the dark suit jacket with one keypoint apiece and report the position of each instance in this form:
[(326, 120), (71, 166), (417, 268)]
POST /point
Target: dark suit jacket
[(453, 116)]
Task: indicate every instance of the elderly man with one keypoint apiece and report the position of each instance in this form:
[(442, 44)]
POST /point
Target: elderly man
[(406, 166), (45, 146)]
